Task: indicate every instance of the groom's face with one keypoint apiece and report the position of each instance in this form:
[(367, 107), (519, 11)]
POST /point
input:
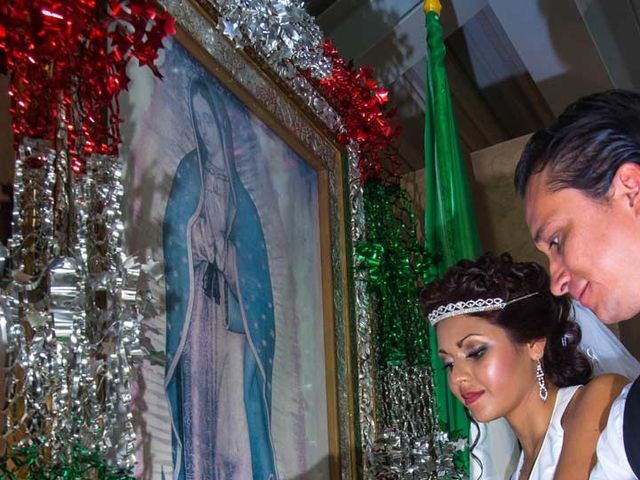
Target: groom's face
[(593, 247)]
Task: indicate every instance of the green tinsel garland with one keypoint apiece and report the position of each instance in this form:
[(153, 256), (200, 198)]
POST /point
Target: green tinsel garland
[(397, 265), (27, 463)]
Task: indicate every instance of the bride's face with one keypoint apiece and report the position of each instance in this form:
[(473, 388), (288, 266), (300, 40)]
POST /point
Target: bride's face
[(209, 131), (488, 372)]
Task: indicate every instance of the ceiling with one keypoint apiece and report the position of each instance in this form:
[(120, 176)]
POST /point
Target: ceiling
[(513, 65)]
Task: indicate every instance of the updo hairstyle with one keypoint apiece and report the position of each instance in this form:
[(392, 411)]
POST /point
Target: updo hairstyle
[(539, 316)]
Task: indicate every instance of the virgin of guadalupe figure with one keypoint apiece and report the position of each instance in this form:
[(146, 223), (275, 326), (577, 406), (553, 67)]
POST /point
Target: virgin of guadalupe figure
[(221, 335)]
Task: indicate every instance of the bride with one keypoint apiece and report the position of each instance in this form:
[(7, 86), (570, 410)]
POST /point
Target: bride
[(511, 351)]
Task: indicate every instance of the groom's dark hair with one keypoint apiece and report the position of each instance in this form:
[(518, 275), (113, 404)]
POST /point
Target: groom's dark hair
[(585, 147)]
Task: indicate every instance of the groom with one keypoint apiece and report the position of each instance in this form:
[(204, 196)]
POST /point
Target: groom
[(580, 179)]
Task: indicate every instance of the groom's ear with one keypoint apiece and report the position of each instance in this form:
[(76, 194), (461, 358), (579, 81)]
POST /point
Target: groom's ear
[(625, 186)]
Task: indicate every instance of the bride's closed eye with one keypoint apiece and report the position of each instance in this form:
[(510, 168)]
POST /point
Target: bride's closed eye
[(448, 366), (477, 352)]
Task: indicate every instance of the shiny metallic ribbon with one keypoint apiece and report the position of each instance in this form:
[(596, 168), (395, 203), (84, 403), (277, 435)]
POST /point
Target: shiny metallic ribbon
[(70, 315), (407, 447)]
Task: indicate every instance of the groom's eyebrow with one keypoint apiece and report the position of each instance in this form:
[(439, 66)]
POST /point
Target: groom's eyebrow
[(540, 233)]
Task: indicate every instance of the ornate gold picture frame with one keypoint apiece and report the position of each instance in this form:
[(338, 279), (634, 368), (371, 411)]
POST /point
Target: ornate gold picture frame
[(211, 379)]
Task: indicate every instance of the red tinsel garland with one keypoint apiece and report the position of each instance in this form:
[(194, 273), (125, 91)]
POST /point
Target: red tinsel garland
[(362, 107), (67, 60)]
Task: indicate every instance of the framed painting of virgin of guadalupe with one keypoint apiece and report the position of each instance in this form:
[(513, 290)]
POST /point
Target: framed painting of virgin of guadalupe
[(241, 196)]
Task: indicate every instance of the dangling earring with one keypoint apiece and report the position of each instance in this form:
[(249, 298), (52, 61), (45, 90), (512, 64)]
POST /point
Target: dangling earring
[(542, 385)]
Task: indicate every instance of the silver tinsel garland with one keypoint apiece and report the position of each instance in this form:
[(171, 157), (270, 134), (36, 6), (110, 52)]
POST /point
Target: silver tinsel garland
[(69, 312), (410, 445), (281, 31)]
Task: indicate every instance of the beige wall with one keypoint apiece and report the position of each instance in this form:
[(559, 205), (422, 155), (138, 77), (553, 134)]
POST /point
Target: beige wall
[(500, 212)]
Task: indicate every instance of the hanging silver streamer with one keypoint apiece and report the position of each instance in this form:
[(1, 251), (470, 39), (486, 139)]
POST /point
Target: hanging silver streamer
[(406, 399), (406, 446), (364, 314), (69, 310)]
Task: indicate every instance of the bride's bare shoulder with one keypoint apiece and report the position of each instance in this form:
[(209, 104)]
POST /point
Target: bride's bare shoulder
[(594, 400)]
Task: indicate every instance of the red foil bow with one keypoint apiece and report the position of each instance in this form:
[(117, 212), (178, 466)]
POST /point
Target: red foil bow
[(362, 106)]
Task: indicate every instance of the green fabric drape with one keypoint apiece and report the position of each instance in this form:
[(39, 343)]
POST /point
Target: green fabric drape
[(450, 226)]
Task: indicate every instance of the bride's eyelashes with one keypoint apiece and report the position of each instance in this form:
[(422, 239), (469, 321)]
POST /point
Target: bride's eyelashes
[(477, 352)]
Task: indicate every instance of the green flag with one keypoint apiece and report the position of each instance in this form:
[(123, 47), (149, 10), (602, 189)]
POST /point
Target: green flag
[(450, 226)]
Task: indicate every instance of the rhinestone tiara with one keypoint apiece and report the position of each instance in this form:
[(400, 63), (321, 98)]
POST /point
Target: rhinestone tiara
[(471, 306)]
